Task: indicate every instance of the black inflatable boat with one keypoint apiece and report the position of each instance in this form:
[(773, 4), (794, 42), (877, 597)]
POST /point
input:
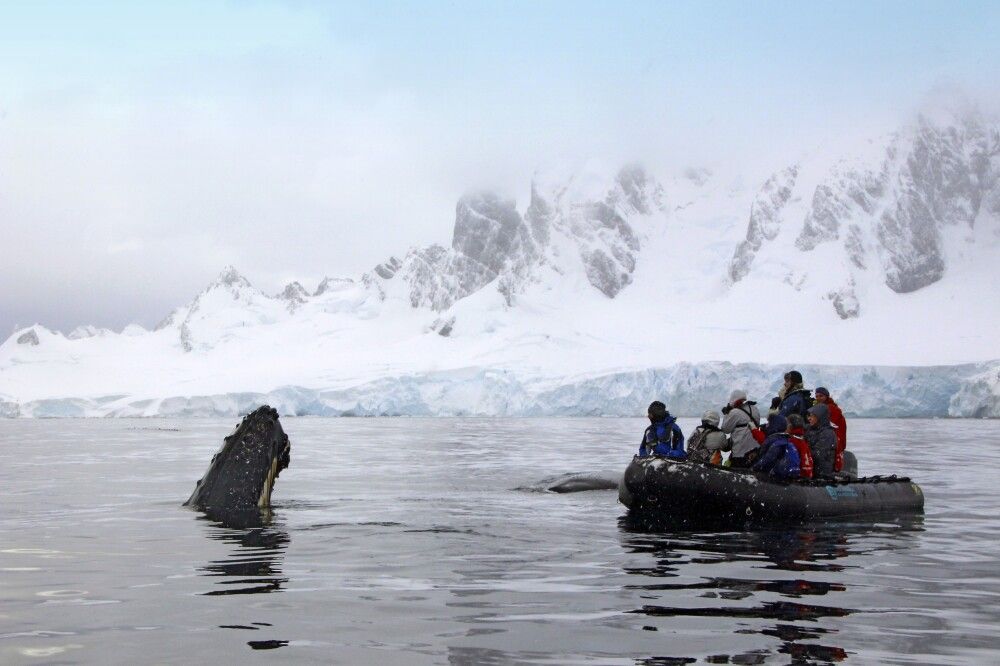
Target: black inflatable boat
[(694, 490)]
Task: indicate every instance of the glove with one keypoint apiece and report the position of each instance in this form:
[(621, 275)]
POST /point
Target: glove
[(775, 402), (725, 410)]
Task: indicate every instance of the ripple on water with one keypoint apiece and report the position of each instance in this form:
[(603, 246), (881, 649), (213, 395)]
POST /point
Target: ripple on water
[(49, 651), (62, 593)]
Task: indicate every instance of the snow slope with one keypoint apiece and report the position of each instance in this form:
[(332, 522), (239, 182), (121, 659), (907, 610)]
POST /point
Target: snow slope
[(874, 269)]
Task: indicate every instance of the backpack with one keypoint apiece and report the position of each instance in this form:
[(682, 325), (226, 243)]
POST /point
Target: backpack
[(697, 437), (805, 455), (695, 443)]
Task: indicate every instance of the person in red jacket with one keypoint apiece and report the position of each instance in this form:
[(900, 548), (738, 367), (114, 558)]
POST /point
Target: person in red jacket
[(797, 436), (839, 424)]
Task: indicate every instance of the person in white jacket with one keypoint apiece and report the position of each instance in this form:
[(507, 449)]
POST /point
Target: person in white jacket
[(741, 416)]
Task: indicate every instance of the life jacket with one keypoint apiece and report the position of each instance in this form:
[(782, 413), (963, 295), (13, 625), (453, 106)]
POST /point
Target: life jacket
[(795, 436), (662, 433)]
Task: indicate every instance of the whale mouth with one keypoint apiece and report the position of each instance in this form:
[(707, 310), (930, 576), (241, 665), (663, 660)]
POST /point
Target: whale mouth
[(264, 501)]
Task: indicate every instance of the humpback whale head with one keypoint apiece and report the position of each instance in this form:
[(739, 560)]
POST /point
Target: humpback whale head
[(241, 475)]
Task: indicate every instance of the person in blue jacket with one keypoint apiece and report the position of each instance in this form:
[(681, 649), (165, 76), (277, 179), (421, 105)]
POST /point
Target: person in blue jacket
[(794, 398), (663, 437), (778, 456)]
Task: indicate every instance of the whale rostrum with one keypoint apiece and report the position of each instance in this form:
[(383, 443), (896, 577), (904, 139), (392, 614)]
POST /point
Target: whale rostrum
[(241, 475)]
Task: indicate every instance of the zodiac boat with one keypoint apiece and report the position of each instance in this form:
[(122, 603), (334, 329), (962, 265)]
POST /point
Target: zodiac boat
[(694, 490)]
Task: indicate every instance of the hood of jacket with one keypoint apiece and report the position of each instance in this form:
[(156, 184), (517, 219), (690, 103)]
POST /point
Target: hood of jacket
[(785, 392), (667, 420), (822, 415), (776, 423)]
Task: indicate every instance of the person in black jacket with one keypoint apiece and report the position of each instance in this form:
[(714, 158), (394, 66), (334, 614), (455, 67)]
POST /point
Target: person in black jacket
[(822, 440)]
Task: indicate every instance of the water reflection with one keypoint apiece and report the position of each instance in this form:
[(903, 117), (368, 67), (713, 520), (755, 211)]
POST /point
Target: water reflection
[(681, 552), (254, 565)]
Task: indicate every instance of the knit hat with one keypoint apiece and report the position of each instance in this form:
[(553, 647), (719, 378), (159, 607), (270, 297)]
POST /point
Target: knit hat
[(738, 394), (711, 416), (657, 410), (821, 390)]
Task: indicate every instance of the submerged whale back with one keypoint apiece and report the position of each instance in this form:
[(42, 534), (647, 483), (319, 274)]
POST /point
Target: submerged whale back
[(241, 475)]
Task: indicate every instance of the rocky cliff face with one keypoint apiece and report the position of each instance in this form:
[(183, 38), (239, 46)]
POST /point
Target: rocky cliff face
[(605, 230), (942, 182), (493, 244), (29, 338), (889, 218), (294, 295), (490, 232), (765, 220)]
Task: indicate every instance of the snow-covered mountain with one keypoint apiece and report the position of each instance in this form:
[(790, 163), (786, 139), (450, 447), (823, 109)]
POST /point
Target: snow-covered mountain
[(567, 228), (916, 207), (606, 289)]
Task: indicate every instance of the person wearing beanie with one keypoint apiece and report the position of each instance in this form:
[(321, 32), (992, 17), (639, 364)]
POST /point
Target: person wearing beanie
[(663, 437), (838, 422), (779, 458), (707, 440), (822, 440), (796, 435), (794, 399), (741, 418)]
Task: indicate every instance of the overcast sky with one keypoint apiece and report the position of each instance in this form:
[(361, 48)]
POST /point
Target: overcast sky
[(145, 147)]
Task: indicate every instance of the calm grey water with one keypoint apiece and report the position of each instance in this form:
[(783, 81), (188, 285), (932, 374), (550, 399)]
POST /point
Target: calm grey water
[(420, 541)]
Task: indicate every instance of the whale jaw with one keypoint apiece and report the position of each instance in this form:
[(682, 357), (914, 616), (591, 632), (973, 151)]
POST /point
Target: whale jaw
[(264, 501), (241, 475)]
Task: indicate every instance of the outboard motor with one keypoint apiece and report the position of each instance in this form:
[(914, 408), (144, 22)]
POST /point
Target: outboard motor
[(850, 465)]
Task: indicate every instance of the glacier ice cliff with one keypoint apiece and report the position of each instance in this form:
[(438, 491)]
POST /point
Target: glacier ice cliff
[(971, 390)]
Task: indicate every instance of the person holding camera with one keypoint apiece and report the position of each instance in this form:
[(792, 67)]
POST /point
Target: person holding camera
[(740, 418)]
